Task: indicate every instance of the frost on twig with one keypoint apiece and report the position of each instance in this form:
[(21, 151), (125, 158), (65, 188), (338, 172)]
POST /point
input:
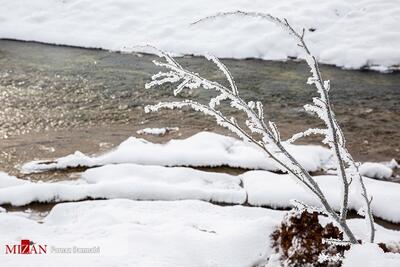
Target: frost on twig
[(265, 134), (336, 242), (346, 167), (300, 206), (323, 258)]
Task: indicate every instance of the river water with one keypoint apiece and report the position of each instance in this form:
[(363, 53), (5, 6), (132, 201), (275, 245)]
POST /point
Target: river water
[(56, 99)]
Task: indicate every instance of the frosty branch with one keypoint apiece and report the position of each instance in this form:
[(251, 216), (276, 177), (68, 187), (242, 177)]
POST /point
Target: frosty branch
[(264, 133)]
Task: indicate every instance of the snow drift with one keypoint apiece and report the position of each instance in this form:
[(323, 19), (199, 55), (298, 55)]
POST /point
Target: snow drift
[(277, 190), (128, 181), (160, 234), (350, 34), (370, 255), (256, 188), (142, 234), (204, 149)]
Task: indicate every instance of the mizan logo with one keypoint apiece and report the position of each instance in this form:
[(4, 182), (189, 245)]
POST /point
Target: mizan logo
[(26, 247)]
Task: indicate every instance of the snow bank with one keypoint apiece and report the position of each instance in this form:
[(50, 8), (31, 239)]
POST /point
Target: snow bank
[(161, 234), (370, 255), (375, 170), (129, 181), (7, 180), (260, 188), (199, 150), (350, 34), (142, 234), (157, 131), (276, 190)]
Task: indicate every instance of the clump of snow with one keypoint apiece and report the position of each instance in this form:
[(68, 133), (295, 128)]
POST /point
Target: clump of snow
[(130, 181), (157, 131), (393, 164), (277, 190), (7, 180), (30, 214), (145, 233), (375, 170), (204, 149), (369, 255), (350, 34)]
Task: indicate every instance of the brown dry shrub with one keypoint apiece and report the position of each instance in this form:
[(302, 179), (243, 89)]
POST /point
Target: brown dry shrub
[(299, 240)]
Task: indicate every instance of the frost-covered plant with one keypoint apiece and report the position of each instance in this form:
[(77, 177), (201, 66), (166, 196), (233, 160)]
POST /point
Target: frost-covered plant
[(300, 240), (265, 134)]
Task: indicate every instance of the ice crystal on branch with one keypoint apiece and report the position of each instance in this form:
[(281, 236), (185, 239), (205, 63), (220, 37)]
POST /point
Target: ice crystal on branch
[(265, 134)]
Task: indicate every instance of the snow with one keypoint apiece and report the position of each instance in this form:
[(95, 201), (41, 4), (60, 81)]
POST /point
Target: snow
[(129, 181), (277, 190), (146, 182), (370, 255), (145, 233), (392, 164), (375, 170), (162, 234), (7, 180), (204, 149), (157, 131), (350, 34)]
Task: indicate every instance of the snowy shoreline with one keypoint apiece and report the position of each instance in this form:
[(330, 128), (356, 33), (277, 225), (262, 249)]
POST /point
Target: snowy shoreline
[(204, 149), (187, 208), (140, 170), (120, 26)]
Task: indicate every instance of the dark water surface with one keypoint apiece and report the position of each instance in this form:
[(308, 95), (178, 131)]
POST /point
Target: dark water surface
[(55, 100)]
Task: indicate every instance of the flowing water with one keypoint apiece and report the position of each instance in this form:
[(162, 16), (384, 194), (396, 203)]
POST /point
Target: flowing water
[(57, 99)]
